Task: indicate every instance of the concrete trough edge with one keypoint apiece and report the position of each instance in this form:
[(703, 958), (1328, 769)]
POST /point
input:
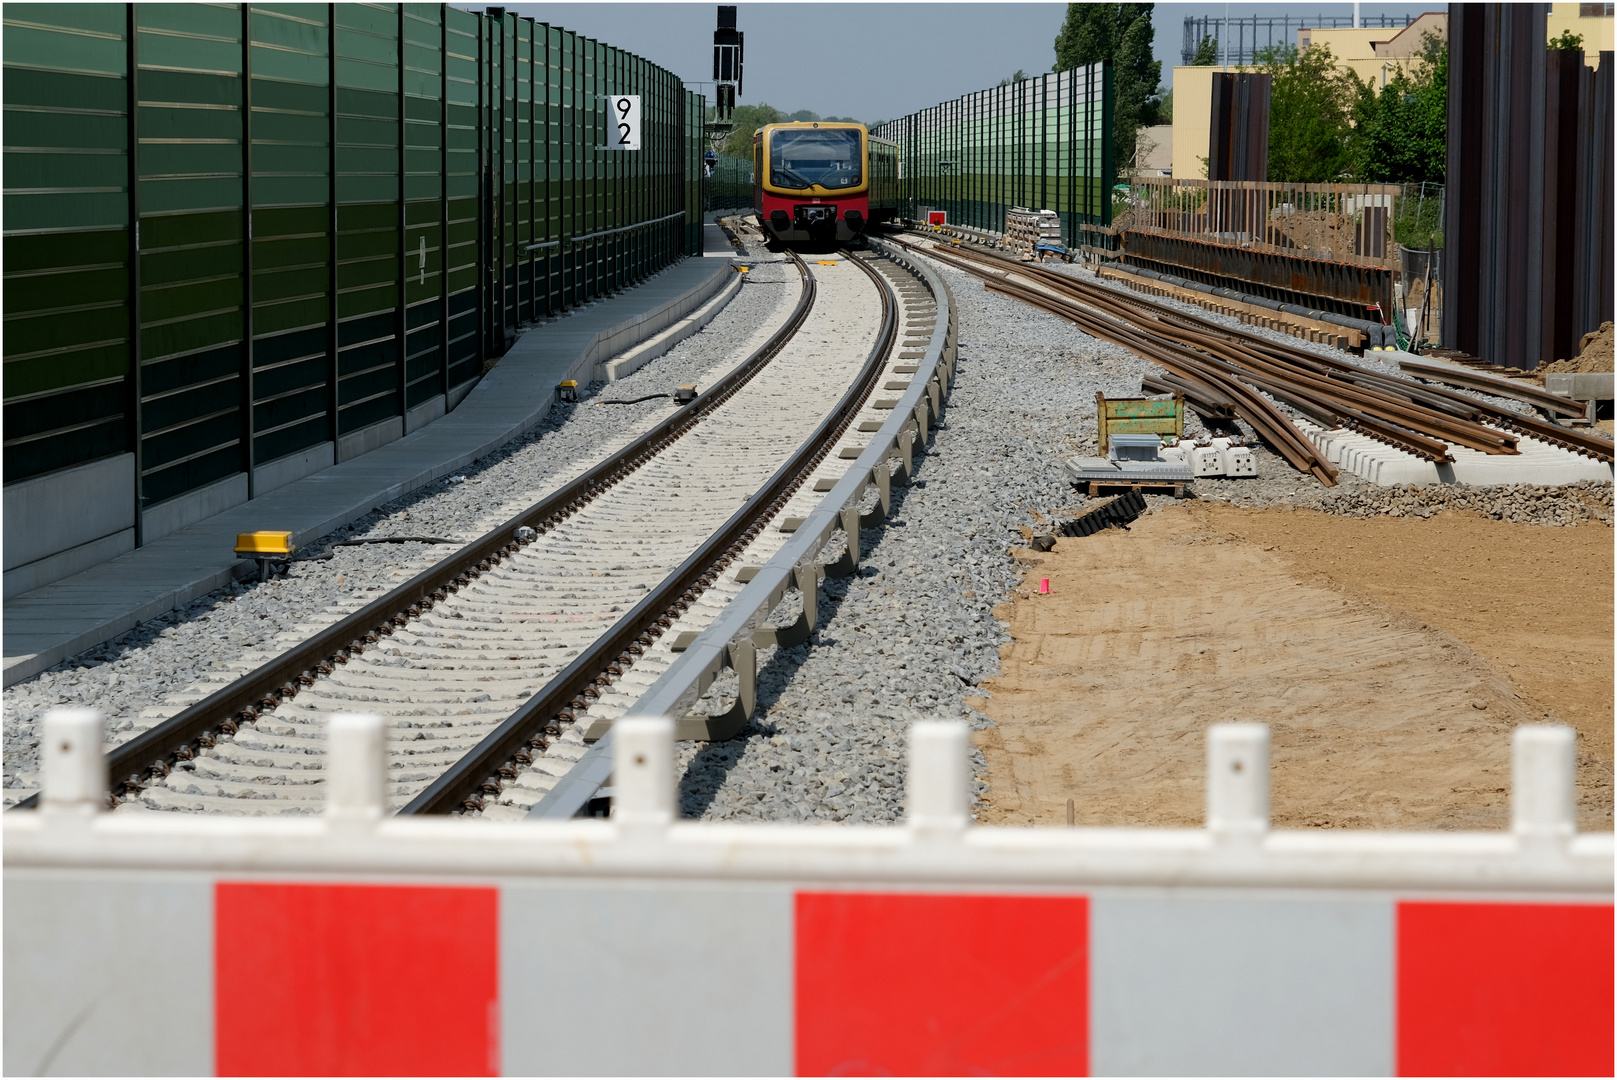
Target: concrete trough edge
[(694, 669)]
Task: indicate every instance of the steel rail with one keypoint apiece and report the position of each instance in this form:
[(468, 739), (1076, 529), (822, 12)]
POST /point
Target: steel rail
[(282, 677), (463, 783), (796, 562), (1316, 400), (1588, 443), (1490, 384), (1303, 374), (1181, 361)]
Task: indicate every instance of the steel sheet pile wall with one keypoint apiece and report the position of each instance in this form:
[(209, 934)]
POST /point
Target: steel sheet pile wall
[(1529, 214), (243, 241), (1043, 143)]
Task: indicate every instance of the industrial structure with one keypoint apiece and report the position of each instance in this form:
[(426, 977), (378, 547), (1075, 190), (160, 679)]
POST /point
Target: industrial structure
[(1529, 219)]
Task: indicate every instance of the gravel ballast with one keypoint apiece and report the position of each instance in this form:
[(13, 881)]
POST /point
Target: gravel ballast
[(912, 635), (248, 622)]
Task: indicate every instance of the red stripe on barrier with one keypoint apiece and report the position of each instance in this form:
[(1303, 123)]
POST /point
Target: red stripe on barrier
[(355, 980), (928, 985), (1504, 989)]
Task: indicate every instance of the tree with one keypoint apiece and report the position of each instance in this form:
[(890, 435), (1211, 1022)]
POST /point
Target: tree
[(1123, 34), (1206, 52), (1165, 108), (1400, 135), (1568, 40), (1019, 76), (1310, 110), (748, 119)]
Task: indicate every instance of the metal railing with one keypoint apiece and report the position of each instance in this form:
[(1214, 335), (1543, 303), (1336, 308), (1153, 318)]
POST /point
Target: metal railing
[(1356, 224)]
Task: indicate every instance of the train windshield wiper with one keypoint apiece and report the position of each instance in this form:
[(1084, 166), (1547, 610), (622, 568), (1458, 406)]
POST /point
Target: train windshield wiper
[(796, 181)]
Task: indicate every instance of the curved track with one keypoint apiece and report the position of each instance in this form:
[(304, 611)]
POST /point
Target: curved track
[(492, 654)]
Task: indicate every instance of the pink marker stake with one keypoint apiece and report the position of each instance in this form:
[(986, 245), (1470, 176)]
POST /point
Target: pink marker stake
[(1044, 585)]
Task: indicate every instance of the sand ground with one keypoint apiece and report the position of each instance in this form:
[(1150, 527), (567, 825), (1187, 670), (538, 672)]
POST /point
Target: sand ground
[(1390, 657)]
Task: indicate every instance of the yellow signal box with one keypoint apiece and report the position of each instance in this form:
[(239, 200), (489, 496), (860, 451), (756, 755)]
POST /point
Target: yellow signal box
[(264, 543)]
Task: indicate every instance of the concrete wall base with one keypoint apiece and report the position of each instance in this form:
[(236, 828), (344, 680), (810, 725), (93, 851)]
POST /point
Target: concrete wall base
[(424, 414), (366, 439), (160, 520), (282, 471), (68, 509), (614, 340)]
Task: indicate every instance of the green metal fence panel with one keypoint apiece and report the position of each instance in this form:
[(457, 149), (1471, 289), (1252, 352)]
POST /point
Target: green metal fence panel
[(370, 359), (237, 233), (68, 377), (1043, 143), (190, 233), (290, 154), (425, 353), (461, 164)]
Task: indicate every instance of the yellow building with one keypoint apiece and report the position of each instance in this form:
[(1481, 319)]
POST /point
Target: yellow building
[(1193, 119), (1373, 55), (1376, 55), (1592, 21)]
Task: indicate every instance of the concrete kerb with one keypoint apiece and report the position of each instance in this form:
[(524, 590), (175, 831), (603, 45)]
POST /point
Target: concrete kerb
[(724, 290), (66, 617), (694, 670)]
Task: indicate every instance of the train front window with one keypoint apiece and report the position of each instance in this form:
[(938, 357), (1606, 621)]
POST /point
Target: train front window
[(825, 156)]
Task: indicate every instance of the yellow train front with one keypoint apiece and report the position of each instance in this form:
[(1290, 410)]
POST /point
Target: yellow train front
[(823, 183)]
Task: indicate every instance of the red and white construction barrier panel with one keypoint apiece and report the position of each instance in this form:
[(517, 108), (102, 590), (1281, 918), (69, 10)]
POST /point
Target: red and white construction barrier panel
[(151, 943)]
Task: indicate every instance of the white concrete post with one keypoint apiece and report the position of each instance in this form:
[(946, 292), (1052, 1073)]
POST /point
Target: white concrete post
[(1543, 763), (1238, 779), (356, 773), (74, 767), (936, 785), (643, 771)]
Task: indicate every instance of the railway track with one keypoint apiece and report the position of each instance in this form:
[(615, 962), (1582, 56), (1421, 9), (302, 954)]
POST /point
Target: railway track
[(486, 663), (1231, 371)]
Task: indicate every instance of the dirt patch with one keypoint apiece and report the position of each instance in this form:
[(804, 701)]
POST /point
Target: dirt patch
[(1594, 354), (1390, 657)]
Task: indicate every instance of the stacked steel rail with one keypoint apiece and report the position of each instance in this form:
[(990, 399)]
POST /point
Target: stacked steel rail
[(1226, 371)]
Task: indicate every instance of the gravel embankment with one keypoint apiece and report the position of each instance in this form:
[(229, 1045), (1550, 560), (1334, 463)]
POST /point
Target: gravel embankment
[(914, 633), (249, 622)]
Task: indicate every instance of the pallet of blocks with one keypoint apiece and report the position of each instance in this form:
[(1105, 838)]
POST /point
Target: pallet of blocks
[(1026, 231)]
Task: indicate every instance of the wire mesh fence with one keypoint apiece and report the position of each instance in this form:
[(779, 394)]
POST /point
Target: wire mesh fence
[(729, 183)]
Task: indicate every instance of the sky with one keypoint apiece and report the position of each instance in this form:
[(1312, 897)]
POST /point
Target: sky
[(875, 61)]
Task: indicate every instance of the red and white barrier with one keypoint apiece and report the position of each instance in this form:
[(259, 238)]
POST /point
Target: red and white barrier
[(143, 942)]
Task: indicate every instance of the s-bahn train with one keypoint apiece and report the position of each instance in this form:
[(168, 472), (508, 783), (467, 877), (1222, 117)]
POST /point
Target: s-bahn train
[(815, 184)]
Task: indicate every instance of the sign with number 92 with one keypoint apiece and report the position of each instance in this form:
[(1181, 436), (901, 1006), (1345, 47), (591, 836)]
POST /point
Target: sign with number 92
[(623, 122)]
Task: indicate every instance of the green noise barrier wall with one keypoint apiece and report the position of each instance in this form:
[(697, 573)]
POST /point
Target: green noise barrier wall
[(1044, 143), (244, 241)]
